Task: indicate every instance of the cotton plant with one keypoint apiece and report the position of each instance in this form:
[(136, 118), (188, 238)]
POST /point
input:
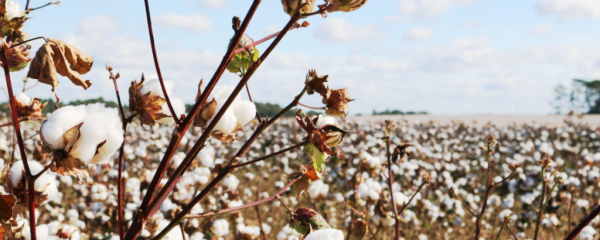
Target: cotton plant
[(233, 120), (45, 186), (77, 136), (148, 101)]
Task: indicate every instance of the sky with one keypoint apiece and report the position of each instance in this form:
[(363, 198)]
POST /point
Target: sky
[(440, 56)]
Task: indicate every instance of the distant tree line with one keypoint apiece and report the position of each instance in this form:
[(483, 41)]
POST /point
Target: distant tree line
[(582, 97), (397, 112)]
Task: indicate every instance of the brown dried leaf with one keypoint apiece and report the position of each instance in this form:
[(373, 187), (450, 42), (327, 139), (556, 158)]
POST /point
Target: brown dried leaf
[(315, 83), (7, 203), (336, 102), (302, 185), (149, 107), (52, 58)]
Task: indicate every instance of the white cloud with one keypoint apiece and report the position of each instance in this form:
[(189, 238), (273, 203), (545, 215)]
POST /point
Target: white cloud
[(569, 9), (214, 3), (427, 9), (541, 30), (339, 30), (193, 23), (417, 34)]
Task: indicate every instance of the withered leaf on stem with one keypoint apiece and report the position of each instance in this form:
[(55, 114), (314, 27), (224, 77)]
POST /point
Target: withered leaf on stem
[(302, 185), (7, 203), (58, 57), (336, 102), (315, 83)]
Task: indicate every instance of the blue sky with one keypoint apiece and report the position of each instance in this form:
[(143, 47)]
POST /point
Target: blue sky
[(440, 56)]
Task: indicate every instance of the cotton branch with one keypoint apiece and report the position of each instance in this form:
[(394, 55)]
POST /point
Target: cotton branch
[(233, 209)]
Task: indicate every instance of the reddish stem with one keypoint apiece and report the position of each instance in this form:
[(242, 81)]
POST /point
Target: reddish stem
[(390, 181), (160, 78), (120, 163), (233, 209), (136, 226), (262, 231), (22, 120), (586, 221), (29, 176), (311, 107), (570, 207), (270, 155)]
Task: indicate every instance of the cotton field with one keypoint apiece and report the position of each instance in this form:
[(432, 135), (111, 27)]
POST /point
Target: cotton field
[(442, 161)]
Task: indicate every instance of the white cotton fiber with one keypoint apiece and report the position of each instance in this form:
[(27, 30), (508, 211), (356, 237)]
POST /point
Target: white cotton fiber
[(59, 122), (326, 234), (326, 120), (45, 182), (231, 182), (178, 107), (23, 98), (153, 86), (221, 93), (99, 124), (220, 227), (244, 111), (228, 121)]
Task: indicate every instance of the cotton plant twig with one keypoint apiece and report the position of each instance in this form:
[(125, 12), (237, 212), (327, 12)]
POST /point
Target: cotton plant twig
[(411, 198), (262, 126), (252, 204), (506, 220), (157, 66), (543, 201), (311, 107), (139, 219), (22, 120), (569, 211), (270, 155), (391, 180), (512, 232), (584, 223), (505, 179), (490, 146), (124, 121), (17, 127), (260, 224), (40, 7), (453, 191)]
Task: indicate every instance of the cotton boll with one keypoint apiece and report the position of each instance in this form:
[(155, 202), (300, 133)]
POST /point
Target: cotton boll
[(178, 107), (228, 121), (44, 185), (197, 236), (154, 87), (369, 190), (201, 175), (231, 182), (59, 122), (22, 97), (326, 120), (220, 227), (318, 189), (13, 10), (100, 124), (244, 111), (221, 93), (326, 234), (288, 233)]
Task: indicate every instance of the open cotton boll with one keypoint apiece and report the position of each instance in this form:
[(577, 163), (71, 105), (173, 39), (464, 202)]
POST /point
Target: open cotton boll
[(221, 93), (45, 185), (228, 121), (326, 120), (99, 124), (318, 189), (23, 98), (178, 107), (369, 190), (326, 234), (153, 86), (231, 182), (288, 233), (247, 232), (220, 227), (244, 111), (13, 10), (59, 122)]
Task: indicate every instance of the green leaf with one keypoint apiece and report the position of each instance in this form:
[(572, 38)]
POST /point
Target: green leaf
[(318, 157), (241, 61)]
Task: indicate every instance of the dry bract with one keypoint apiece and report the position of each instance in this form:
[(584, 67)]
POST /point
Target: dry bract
[(147, 106), (289, 6), (58, 57), (31, 109), (345, 5), (17, 57)]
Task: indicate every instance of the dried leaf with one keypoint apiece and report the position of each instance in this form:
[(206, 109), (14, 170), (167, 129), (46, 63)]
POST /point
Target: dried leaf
[(71, 136), (302, 185), (52, 58), (149, 107), (360, 228), (312, 173), (336, 102), (7, 203), (315, 83)]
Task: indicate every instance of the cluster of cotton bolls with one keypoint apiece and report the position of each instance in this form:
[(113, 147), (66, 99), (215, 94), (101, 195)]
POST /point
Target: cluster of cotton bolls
[(450, 154)]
